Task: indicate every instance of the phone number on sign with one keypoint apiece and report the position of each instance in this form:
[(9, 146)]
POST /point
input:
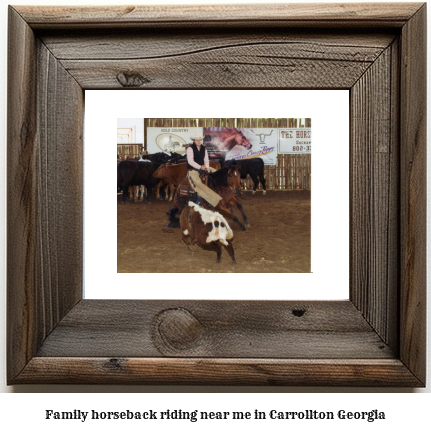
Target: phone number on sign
[(301, 148)]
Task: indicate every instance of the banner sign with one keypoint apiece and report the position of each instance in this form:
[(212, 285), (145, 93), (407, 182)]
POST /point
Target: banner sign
[(242, 143), (294, 141), (233, 143), (170, 139)]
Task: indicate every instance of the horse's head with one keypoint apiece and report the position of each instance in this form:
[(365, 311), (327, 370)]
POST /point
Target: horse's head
[(241, 140), (234, 178)]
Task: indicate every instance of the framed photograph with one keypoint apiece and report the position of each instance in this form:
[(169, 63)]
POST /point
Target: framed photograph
[(376, 337), (131, 245)]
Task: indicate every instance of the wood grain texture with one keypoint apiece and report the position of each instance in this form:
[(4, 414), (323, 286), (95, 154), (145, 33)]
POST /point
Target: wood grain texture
[(373, 196), (44, 194), (53, 336), (204, 59), (299, 14), (146, 45), (59, 245), (21, 194), (229, 329), (119, 370), (392, 304), (413, 194)]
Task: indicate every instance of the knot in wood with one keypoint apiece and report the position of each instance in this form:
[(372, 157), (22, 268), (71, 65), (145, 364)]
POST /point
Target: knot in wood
[(178, 329), (131, 79), (298, 312), (115, 363)]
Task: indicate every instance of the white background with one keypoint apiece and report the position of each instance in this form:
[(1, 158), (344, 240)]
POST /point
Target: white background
[(329, 279), (404, 411)]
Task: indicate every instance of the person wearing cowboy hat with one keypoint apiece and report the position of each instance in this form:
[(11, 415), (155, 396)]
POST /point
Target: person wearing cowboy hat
[(197, 155), (197, 163)]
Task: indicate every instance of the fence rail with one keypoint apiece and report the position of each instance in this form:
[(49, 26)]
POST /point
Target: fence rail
[(129, 150), (291, 172)]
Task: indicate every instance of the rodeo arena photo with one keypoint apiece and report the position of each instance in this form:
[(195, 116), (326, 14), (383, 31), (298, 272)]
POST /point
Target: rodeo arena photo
[(213, 195)]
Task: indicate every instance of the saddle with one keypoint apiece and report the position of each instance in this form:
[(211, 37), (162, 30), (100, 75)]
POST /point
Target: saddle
[(186, 189), (187, 193), (204, 178)]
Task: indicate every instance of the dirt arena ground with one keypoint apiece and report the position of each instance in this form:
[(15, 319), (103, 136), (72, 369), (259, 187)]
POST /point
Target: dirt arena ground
[(277, 241)]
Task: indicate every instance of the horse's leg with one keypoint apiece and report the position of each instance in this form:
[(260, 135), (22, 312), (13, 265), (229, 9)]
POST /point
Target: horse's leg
[(173, 221), (239, 205), (225, 212), (230, 251)]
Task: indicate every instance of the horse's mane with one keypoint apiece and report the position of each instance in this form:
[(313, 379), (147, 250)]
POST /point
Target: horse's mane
[(220, 177), (228, 132)]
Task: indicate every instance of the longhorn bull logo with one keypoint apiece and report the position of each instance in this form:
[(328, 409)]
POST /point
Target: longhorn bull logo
[(262, 136)]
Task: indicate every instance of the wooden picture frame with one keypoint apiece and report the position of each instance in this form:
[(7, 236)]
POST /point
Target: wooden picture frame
[(376, 338)]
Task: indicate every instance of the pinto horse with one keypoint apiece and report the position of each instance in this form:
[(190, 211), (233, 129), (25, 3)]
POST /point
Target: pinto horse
[(226, 183)]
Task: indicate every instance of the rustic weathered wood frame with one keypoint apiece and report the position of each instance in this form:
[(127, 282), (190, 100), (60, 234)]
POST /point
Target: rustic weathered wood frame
[(376, 338)]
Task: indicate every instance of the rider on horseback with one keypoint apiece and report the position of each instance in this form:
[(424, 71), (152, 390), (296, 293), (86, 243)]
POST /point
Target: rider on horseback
[(197, 163)]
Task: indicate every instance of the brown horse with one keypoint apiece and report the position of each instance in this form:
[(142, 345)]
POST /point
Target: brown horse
[(223, 140), (175, 173), (226, 183), (230, 137)]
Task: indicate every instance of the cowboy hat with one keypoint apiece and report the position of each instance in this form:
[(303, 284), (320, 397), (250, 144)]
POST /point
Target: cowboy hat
[(197, 137)]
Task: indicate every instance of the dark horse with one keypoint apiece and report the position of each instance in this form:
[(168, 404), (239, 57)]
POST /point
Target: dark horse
[(225, 182)]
